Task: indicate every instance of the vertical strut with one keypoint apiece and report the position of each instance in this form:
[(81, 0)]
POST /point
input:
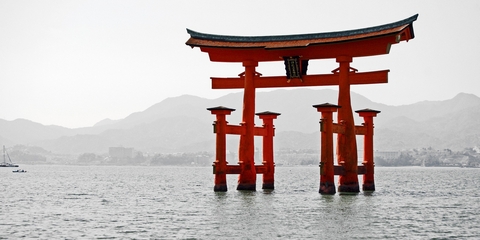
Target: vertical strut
[(327, 172)]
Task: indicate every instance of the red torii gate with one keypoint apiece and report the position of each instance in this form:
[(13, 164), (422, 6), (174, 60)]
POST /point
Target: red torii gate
[(295, 51)]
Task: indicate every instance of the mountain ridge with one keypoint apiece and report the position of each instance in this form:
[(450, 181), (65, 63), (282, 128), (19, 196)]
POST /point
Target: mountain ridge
[(182, 124)]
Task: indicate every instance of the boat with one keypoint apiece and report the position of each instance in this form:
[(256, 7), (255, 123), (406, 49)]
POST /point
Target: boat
[(19, 171), (5, 163)]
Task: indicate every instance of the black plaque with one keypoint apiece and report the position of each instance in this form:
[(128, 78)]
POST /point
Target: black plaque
[(294, 67)]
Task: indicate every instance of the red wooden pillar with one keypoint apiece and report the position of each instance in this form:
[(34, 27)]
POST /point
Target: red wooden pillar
[(246, 153), (346, 141), (268, 163), (220, 164), (368, 177), (327, 184)]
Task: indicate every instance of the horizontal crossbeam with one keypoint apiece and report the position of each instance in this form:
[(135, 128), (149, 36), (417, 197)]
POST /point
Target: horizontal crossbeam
[(340, 129), (339, 170), (260, 169), (306, 81), (240, 130), (235, 169)]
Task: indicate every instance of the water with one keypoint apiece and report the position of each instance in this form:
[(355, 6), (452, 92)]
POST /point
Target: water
[(79, 202)]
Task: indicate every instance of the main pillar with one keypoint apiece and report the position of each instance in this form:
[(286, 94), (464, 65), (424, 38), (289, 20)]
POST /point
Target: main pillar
[(346, 141), (368, 177), (248, 176), (327, 171)]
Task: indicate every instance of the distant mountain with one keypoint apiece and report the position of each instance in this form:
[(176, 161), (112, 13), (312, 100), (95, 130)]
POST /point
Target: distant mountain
[(182, 124), (451, 124), (105, 122), (25, 131), (186, 105), (167, 134), (425, 110)]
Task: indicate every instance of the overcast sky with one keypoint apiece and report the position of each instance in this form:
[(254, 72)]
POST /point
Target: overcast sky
[(74, 63)]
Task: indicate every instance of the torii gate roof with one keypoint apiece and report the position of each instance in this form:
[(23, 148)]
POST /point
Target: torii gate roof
[(354, 43)]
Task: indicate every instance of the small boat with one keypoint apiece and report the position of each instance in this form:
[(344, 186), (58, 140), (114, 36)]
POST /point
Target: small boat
[(19, 171), (5, 163)]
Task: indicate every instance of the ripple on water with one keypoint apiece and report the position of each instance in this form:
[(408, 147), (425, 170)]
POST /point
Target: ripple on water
[(168, 202)]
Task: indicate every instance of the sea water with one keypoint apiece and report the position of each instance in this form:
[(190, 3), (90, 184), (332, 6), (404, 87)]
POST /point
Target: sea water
[(141, 202)]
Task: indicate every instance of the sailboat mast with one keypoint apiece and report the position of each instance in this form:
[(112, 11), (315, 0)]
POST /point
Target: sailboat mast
[(9, 159)]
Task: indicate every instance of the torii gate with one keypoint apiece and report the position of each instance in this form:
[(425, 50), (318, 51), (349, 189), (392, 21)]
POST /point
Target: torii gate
[(295, 51)]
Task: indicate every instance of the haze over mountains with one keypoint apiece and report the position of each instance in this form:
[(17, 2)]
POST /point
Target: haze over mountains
[(182, 124)]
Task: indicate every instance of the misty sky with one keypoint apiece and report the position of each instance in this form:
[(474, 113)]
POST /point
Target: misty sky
[(74, 63)]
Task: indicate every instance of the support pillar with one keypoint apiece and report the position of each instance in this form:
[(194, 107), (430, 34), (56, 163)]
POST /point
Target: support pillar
[(246, 153), (220, 164), (268, 162), (346, 141), (327, 184), (368, 176)]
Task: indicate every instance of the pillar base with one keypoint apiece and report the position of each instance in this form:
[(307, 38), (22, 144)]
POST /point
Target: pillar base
[(247, 187), (368, 187), (269, 186), (327, 188), (349, 188), (220, 188)]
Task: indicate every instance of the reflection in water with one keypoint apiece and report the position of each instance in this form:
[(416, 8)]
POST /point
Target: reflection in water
[(268, 191), (328, 198), (221, 197), (170, 203)]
